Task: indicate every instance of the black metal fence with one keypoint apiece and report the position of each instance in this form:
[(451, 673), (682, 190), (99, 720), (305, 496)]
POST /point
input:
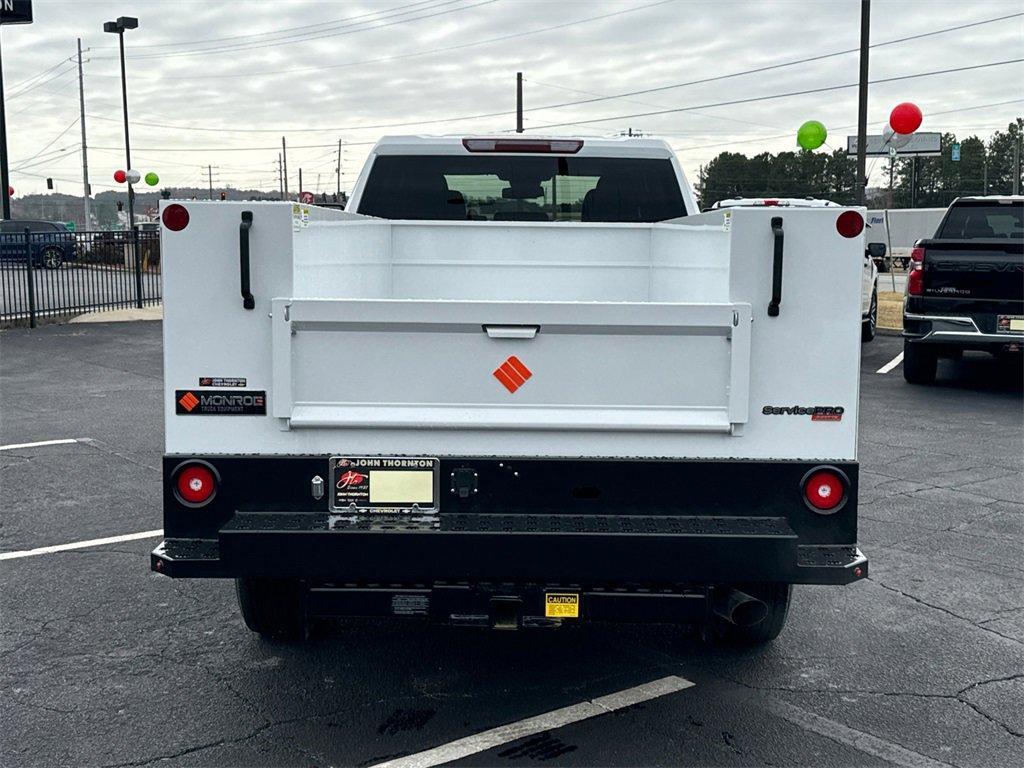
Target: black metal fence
[(59, 273)]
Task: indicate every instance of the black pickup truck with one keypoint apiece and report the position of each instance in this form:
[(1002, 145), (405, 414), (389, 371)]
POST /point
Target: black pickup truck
[(965, 288)]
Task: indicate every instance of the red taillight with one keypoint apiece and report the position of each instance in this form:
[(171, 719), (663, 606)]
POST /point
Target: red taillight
[(558, 146), (175, 217), (195, 484), (771, 202), (915, 278), (850, 224), (825, 490)]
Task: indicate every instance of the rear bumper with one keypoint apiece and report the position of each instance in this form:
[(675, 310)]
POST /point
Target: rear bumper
[(473, 548), (955, 331), (601, 523)]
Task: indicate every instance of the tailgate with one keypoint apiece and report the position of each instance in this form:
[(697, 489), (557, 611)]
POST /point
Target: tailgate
[(400, 364), (974, 270)]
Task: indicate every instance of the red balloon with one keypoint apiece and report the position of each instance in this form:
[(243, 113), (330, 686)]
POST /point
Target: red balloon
[(120, 177), (905, 118)]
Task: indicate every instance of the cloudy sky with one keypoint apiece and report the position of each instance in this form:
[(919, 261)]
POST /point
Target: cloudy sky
[(219, 82)]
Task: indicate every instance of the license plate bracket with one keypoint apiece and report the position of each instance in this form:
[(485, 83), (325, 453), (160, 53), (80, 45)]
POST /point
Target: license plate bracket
[(385, 484)]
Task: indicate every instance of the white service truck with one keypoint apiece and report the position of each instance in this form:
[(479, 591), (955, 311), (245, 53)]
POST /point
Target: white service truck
[(518, 382)]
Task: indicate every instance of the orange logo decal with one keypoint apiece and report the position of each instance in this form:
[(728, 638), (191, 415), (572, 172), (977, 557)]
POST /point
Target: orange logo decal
[(512, 373), (188, 401)]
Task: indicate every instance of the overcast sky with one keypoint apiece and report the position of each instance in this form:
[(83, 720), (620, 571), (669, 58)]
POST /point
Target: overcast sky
[(248, 72)]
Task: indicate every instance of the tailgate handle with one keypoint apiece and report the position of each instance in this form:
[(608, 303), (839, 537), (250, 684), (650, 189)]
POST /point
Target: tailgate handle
[(243, 259), (773, 305), (511, 331)]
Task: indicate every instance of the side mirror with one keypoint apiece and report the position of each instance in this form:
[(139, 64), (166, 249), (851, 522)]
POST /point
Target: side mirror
[(876, 250)]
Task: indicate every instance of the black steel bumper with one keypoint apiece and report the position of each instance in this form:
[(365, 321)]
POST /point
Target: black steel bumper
[(593, 523), (456, 547)]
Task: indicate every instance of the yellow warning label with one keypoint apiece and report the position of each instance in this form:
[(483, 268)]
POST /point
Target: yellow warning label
[(561, 605)]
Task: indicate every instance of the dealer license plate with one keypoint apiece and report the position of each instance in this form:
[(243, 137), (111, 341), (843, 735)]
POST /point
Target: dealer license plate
[(384, 483), (1010, 324)]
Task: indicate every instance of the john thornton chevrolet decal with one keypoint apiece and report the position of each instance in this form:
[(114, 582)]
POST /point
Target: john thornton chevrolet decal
[(215, 402)]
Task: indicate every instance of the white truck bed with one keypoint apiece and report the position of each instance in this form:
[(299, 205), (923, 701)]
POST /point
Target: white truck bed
[(375, 337)]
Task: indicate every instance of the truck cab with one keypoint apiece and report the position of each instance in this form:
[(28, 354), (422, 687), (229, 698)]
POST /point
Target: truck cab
[(518, 382)]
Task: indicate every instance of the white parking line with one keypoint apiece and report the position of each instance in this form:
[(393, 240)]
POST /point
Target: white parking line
[(16, 446), (891, 364), (80, 544), (471, 745), (864, 742)]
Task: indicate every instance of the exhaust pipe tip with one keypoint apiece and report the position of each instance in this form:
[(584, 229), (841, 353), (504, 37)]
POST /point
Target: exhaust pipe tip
[(738, 607)]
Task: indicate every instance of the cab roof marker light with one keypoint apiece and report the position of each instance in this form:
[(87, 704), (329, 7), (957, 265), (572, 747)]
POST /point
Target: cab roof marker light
[(546, 146)]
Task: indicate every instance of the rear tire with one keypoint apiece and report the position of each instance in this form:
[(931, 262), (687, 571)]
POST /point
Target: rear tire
[(867, 328), (776, 597), (273, 608), (919, 363)]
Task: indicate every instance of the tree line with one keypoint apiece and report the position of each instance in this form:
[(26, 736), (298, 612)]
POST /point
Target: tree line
[(923, 182)]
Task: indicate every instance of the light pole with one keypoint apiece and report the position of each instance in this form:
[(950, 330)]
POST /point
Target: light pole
[(118, 27)]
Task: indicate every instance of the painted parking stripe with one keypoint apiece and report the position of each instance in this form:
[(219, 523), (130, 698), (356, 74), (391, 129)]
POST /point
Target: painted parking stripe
[(471, 745), (891, 364), (80, 544), (864, 742), (40, 444)]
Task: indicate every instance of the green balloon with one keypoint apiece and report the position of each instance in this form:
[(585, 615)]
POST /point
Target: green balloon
[(152, 179), (811, 135)]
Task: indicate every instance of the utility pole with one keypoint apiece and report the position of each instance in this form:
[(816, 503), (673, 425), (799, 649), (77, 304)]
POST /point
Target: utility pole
[(984, 174), (5, 179), (1016, 164), (280, 178), (85, 156), (300, 181), (284, 166), (209, 177), (337, 170), (862, 105), (519, 102)]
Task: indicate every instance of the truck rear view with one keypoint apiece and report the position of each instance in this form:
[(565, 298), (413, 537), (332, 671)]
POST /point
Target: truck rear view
[(518, 383)]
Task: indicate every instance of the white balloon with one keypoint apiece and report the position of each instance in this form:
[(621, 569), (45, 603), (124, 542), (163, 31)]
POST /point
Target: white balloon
[(134, 176), (892, 139)]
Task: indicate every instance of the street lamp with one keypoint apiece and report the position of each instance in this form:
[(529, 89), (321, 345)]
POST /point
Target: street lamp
[(118, 27)]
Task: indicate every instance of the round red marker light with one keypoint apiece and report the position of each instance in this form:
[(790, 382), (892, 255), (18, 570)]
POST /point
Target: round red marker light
[(850, 224), (824, 490), (196, 484), (175, 217)]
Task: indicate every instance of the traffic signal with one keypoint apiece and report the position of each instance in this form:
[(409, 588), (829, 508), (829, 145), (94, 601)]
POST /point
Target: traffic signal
[(223, 195), (120, 206)]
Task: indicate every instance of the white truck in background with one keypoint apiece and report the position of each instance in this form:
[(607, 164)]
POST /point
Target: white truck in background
[(518, 382)]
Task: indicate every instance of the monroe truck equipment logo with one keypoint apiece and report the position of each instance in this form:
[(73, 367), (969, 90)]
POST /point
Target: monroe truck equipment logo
[(218, 403), (816, 412)]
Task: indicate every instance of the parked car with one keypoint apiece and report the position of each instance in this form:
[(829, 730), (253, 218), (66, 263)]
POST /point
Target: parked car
[(965, 288), (874, 253), (51, 242)]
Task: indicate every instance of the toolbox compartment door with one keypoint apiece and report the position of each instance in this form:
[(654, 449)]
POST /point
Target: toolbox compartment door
[(407, 364)]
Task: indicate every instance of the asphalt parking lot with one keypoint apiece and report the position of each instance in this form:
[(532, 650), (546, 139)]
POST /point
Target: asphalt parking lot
[(103, 663)]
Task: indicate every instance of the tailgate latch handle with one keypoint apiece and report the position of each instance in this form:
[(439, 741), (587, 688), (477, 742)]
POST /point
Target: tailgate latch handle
[(773, 305), (511, 331), (243, 259)]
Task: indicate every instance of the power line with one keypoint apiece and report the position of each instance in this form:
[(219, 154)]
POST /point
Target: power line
[(753, 99), (27, 80), (284, 41), (284, 30), (464, 118), (446, 49)]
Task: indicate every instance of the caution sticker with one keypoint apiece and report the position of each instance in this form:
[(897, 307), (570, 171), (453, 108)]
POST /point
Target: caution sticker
[(561, 605)]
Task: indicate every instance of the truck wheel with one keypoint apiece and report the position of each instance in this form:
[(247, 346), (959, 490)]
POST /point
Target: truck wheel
[(919, 363), (867, 328), (272, 607), (776, 597)]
